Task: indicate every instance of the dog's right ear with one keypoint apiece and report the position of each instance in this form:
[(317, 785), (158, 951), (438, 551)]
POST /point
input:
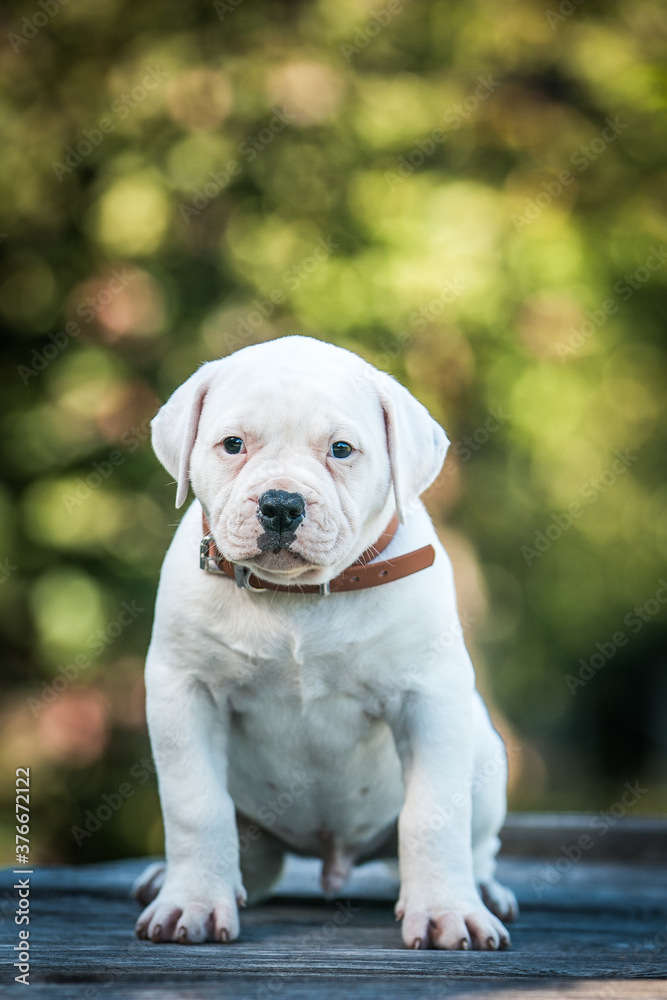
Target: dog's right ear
[(417, 445), (174, 427)]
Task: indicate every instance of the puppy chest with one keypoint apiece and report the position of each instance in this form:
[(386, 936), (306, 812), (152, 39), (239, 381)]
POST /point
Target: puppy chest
[(274, 659), (303, 714), (303, 768)]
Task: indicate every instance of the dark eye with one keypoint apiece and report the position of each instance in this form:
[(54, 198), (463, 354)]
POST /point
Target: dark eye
[(341, 449), (233, 445)]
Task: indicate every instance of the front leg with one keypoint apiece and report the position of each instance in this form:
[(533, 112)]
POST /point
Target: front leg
[(439, 903), (202, 884)]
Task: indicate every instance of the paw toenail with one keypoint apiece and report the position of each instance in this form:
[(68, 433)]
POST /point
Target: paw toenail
[(224, 935), (491, 943), (464, 944), (157, 931), (182, 934), (416, 944)]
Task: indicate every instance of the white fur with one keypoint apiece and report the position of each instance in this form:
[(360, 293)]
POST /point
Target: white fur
[(321, 720)]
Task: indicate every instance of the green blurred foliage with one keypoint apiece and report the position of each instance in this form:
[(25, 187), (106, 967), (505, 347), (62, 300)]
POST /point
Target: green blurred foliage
[(485, 234)]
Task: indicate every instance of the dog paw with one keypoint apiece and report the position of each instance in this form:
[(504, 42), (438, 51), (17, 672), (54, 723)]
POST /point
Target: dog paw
[(499, 899), (452, 928), (175, 918), (149, 883)]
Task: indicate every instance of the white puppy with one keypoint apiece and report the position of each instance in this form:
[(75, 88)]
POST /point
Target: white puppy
[(304, 720)]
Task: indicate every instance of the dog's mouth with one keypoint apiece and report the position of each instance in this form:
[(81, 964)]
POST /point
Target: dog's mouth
[(277, 554), (271, 541), (280, 560)]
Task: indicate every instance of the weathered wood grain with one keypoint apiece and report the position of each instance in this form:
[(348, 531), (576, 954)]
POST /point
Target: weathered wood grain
[(627, 838), (371, 988), (593, 928)]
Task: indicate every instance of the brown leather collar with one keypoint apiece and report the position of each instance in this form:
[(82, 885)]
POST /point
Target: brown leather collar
[(361, 575)]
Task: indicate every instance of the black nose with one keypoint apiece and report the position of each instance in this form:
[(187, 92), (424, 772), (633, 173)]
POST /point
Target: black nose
[(280, 511)]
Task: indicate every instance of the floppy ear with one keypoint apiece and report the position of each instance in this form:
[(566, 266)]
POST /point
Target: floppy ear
[(417, 445), (174, 428)]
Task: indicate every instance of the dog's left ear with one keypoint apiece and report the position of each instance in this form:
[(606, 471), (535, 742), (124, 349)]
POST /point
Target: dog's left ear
[(174, 427), (417, 445)]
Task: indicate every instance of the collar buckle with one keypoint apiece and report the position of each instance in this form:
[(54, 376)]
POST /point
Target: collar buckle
[(242, 577), (206, 561)]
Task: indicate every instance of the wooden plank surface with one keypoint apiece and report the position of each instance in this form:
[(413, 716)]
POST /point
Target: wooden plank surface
[(624, 838), (593, 929)]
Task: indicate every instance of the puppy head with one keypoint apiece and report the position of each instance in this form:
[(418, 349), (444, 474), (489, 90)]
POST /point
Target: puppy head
[(298, 451)]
